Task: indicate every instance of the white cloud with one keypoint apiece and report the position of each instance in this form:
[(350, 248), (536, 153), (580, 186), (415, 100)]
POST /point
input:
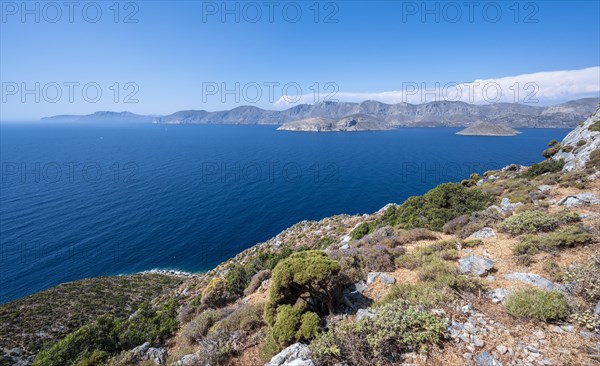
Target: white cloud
[(541, 88)]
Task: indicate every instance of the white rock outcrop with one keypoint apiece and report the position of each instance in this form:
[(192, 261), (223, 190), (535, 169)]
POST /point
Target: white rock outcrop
[(580, 155)]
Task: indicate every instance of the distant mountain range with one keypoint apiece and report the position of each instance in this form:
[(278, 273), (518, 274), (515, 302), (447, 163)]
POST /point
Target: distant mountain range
[(433, 114)]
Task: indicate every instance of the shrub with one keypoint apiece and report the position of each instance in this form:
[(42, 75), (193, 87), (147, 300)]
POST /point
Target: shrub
[(586, 280), (567, 148), (550, 152), (422, 294), (569, 237), (361, 230), (546, 166), (293, 325), (552, 143), (245, 319), (595, 126), (238, 277), (432, 210), (529, 245), (534, 221), (435, 269), (594, 161), (538, 304), (196, 329), (581, 142), (257, 281), (216, 293), (379, 258), (398, 327), (554, 270), (108, 336), (304, 273)]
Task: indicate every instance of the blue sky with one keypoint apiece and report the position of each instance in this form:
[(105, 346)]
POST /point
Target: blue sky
[(178, 49)]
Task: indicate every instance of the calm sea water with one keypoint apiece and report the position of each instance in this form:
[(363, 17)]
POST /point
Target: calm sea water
[(83, 201)]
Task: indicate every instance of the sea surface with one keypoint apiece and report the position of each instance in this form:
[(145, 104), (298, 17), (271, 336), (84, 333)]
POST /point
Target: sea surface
[(93, 200)]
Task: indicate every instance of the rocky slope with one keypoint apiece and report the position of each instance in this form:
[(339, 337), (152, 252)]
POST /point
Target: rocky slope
[(488, 129), (577, 147), (353, 123), (500, 269)]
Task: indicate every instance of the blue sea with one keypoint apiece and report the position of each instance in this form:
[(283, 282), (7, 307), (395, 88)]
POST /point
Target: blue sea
[(93, 200)]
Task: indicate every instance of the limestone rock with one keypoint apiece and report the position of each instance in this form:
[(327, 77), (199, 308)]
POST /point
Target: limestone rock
[(507, 206), (578, 158), (485, 233), (297, 354), (475, 264), (579, 200), (145, 352), (499, 295), (531, 278), (383, 277), (486, 359)]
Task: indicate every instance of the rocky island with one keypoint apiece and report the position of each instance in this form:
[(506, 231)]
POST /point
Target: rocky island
[(353, 123), (488, 129)]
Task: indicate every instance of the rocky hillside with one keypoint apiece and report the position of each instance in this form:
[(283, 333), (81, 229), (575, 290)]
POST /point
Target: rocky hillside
[(581, 146), (433, 114), (353, 123), (488, 129), (500, 269)]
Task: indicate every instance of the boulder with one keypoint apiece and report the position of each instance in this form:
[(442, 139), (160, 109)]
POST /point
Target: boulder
[(544, 188), (579, 200), (597, 309), (506, 206), (499, 295), (531, 278), (145, 353), (486, 359), (189, 360), (383, 277), (485, 233), (297, 354), (475, 264)]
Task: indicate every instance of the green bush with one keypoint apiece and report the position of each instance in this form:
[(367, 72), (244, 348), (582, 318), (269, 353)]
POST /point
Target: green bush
[(581, 142), (421, 294), (569, 237), (594, 161), (546, 166), (535, 221), (238, 277), (245, 319), (198, 327), (216, 293), (108, 336), (395, 329), (397, 326), (432, 210), (595, 126), (538, 304), (293, 325), (548, 153), (305, 273), (567, 148)]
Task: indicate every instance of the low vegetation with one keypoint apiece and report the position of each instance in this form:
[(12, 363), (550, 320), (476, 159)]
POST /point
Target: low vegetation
[(108, 336), (537, 221), (432, 210), (397, 328), (538, 304)]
